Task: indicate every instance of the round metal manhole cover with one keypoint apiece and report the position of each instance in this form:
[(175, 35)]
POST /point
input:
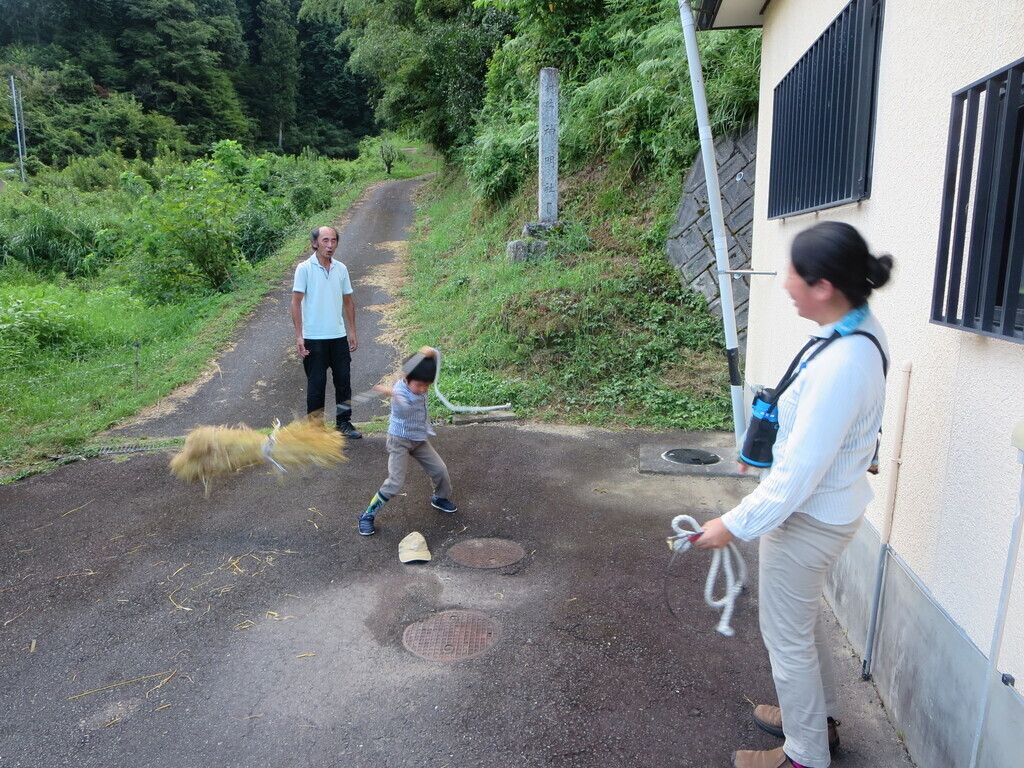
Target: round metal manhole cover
[(452, 636), (486, 553), (691, 456)]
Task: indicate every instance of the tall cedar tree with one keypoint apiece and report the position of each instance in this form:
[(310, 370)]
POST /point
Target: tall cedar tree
[(278, 68)]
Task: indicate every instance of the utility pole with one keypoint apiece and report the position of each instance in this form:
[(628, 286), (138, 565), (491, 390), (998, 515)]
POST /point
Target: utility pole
[(707, 148), (24, 142), (18, 127)]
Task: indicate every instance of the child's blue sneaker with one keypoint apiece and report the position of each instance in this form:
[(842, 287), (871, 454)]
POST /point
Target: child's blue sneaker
[(443, 504), (366, 525)]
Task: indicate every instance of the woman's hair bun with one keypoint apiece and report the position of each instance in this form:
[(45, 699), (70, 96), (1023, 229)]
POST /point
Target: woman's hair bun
[(879, 268)]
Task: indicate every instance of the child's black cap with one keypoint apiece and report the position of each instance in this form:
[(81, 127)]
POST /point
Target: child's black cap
[(425, 370)]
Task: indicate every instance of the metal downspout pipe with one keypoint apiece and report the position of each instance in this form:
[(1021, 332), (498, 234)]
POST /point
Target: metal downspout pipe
[(890, 505), (1017, 441), (707, 150)]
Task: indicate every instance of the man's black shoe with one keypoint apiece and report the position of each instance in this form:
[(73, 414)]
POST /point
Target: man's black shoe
[(349, 431)]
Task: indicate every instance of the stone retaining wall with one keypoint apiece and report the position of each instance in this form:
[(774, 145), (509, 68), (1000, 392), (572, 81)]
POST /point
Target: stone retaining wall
[(691, 247)]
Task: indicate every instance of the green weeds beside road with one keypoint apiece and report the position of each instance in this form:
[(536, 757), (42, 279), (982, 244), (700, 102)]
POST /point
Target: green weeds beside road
[(597, 331), (69, 336)]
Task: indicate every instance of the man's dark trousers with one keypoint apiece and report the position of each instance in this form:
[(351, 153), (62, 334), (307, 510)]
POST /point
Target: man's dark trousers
[(324, 354)]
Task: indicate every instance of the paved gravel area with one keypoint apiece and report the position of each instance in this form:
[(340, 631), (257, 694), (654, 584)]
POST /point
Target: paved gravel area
[(143, 624)]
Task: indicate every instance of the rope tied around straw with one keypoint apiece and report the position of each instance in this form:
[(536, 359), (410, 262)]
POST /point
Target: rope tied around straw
[(214, 451), (268, 446)]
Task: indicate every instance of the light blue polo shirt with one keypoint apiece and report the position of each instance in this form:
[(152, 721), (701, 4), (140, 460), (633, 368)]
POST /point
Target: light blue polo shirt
[(322, 316)]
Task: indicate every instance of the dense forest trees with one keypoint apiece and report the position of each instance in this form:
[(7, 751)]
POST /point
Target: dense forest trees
[(135, 75), (462, 74), (138, 75)]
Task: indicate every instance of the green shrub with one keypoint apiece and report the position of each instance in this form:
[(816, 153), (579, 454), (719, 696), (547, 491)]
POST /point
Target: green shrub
[(307, 199), (262, 225), (567, 239), (229, 158), (33, 322), (186, 236), (624, 89), (134, 185), (498, 161), (44, 317), (50, 239)]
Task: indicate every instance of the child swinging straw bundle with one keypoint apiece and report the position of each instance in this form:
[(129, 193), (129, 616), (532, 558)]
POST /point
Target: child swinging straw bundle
[(211, 452)]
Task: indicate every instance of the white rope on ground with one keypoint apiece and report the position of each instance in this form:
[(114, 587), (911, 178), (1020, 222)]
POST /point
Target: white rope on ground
[(412, 362), (727, 559), (462, 408)]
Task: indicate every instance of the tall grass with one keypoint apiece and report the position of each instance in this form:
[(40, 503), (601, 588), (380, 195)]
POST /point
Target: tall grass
[(599, 331)]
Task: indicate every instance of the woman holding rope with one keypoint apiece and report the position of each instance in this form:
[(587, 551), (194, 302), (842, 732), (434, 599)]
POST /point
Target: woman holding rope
[(809, 505)]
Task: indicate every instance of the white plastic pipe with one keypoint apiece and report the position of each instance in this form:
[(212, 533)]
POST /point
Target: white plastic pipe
[(1017, 441), (707, 150), (890, 505)]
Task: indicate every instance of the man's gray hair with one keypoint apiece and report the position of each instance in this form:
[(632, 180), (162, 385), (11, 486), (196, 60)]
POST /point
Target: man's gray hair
[(315, 234)]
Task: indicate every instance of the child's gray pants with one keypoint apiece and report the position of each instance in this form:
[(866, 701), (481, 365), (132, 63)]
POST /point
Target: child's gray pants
[(399, 451)]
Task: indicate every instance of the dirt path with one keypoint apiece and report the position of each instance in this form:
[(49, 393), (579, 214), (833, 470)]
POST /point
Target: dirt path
[(260, 378)]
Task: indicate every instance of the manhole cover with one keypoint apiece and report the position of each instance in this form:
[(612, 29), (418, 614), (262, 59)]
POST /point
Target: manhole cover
[(452, 636), (690, 456), (486, 553)]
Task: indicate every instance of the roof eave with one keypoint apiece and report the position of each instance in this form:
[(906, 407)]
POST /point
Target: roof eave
[(729, 14)]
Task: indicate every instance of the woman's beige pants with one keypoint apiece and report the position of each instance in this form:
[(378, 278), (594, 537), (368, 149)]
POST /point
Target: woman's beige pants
[(794, 560)]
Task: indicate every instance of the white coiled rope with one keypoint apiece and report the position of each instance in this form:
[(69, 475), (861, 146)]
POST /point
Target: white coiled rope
[(728, 559)]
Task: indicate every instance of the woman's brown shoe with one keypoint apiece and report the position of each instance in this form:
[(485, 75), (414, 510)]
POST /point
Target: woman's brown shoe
[(766, 758), (769, 718)]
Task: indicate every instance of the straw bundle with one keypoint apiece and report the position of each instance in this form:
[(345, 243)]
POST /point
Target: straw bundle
[(211, 452)]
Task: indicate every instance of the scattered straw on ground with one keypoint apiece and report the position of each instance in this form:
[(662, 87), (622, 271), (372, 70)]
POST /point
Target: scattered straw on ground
[(168, 675), (391, 277), (90, 501)]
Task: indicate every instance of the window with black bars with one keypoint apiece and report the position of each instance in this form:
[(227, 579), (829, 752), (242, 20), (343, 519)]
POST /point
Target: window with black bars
[(823, 117), (978, 272), (704, 12)]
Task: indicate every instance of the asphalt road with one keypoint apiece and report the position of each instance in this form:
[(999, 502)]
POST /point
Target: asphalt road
[(143, 624)]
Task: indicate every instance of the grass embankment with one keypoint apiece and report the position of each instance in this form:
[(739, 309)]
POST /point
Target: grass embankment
[(598, 331), (54, 403)]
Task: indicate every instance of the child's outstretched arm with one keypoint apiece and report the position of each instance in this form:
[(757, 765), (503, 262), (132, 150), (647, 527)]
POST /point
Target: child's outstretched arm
[(386, 391)]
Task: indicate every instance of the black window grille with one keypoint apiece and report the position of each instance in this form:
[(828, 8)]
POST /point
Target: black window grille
[(978, 272), (823, 117)]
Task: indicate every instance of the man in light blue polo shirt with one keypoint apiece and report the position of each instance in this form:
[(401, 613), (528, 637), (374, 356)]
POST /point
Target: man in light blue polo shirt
[(324, 316)]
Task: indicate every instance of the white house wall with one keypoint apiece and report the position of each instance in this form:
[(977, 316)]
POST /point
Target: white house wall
[(959, 480)]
